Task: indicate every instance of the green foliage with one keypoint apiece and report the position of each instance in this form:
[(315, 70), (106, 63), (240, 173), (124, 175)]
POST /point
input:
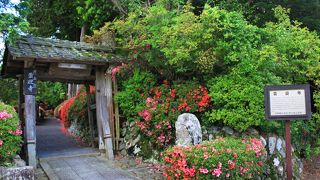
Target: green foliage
[(260, 11), (221, 48), (11, 25), (218, 159), (94, 13), (9, 91), (51, 18), (284, 53), (129, 98), (52, 93), (10, 134)]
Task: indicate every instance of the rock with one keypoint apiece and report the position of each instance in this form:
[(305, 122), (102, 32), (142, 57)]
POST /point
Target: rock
[(210, 137), (136, 140), (136, 149), (188, 130), (19, 162), (280, 147), (264, 142), (123, 131), (272, 144), (213, 130), (228, 130), (123, 152), (122, 146), (252, 132), (280, 170)]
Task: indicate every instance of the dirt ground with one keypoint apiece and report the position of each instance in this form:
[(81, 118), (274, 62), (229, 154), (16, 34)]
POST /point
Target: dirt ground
[(311, 168)]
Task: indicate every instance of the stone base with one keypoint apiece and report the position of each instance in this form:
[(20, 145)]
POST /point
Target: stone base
[(17, 173)]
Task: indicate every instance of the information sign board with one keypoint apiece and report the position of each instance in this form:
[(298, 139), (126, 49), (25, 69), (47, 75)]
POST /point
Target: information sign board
[(287, 102), (30, 82)]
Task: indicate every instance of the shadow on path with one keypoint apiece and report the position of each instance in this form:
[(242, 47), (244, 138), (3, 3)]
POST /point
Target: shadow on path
[(51, 142)]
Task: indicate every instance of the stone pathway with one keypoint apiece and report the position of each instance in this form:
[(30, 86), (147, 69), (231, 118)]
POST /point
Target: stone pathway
[(52, 142), (62, 158), (81, 167)]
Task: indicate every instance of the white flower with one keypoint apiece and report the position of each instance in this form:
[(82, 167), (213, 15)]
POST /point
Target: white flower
[(276, 162)]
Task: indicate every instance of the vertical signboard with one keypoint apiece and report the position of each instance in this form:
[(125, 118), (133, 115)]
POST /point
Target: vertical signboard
[(287, 102), (30, 82)]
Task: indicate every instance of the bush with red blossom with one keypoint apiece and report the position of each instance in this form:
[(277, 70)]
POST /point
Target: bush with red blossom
[(225, 158), (154, 106), (163, 104), (75, 110), (10, 134)]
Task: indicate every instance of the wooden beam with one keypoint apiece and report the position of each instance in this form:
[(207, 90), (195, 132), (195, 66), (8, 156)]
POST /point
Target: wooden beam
[(103, 112), (108, 94), (21, 99), (30, 128), (99, 81), (77, 61), (90, 115)]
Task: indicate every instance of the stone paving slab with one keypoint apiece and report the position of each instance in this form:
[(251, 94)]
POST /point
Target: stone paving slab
[(79, 167)]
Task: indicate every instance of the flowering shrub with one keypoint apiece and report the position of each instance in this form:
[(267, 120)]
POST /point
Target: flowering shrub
[(219, 159), (163, 104), (75, 110), (153, 107), (10, 134)]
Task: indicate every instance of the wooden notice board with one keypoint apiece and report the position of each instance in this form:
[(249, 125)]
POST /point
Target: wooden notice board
[(287, 102)]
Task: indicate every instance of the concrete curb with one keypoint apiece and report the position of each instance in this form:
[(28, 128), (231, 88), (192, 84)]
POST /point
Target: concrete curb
[(46, 168)]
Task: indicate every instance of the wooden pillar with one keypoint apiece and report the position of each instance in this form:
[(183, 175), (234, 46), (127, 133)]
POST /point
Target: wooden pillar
[(108, 94), (30, 129), (30, 115), (90, 115), (21, 97), (103, 112)]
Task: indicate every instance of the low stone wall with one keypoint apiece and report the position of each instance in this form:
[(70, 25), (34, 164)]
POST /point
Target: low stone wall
[(17, 173)]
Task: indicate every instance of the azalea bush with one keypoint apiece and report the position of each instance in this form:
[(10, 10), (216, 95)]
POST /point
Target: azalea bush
[(163, 105), (154, 106), (74, 110), (10, 134), (219, 159)]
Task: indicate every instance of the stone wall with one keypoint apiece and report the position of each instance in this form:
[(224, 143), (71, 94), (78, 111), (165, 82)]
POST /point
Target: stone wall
[(17, 173)]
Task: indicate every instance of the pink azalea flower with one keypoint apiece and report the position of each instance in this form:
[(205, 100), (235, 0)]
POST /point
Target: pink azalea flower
[(145, 114), (1, 142), (17, 132), (205, 156), (227, 175), (4, 115), (203, 170), (216, 172)]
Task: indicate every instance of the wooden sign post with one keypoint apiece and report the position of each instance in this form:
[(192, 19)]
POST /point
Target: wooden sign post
[(30, 91), (288, 102)]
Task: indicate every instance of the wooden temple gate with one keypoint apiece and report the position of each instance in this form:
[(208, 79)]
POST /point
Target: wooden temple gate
[(31, 58)]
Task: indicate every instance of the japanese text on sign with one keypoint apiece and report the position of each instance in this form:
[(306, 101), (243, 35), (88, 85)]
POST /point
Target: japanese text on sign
[(30, 85), (287, 102)]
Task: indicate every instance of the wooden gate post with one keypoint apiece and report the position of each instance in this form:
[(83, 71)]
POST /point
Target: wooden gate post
[(103, 114), (30, 111)]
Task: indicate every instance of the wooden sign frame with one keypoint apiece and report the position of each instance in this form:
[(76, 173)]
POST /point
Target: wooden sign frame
[(286, 88)]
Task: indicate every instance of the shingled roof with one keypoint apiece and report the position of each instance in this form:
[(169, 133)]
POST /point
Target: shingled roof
[(54, 50), (46, 54)]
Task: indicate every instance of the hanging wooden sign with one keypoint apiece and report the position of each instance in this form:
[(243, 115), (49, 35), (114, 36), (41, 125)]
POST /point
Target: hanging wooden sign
[(30, 82)]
